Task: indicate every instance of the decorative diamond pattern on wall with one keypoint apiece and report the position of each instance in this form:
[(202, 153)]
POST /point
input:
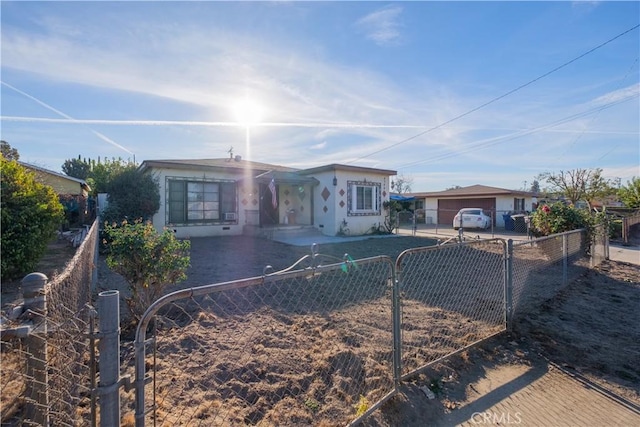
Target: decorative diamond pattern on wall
[(286, 202), (325, 209), (286, 192), (384, 194), (325, 194), (341, 192), (254, 202), (244, 202), (341, 204)]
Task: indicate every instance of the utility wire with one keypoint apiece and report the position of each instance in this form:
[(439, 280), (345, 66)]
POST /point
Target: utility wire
[(499, 97), (593, 118), (500, 139)]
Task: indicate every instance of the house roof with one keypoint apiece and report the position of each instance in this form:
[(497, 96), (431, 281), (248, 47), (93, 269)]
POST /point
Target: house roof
[(242, 165), (214, 164), (473, 191), (347, 168), (83, 184)]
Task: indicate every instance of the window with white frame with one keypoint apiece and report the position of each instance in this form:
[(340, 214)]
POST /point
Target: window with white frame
[(363, 198), (190, 202), (518, 204)]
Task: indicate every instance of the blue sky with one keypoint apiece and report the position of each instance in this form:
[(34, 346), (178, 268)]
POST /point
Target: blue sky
[(394, 85)]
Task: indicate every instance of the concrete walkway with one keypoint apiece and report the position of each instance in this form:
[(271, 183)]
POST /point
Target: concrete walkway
[(630, 254), (539, 395)]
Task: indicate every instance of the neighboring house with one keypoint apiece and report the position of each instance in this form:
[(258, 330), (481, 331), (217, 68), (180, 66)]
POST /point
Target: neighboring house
[(441, 206), (72, 192), (232, 196), (62, 184)]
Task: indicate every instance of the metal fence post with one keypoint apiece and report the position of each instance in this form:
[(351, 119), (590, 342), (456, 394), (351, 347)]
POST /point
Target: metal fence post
[(96, 257), (565, 258), (606, 240), (508, 285), (397, 338), (109, 364), (37, 387)]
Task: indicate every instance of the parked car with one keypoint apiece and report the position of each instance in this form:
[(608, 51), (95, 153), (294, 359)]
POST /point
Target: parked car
[(471, 218)]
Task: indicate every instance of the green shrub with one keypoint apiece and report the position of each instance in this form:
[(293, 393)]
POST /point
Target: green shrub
[(558, 218), (31, 213), (615, 229), (148, 260), (132, 195)]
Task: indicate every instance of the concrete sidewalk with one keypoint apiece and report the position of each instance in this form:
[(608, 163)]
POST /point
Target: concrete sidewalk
[(630, 254), (539, 395)]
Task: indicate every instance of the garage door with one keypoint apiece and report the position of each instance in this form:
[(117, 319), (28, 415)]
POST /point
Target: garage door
[(447, 208)]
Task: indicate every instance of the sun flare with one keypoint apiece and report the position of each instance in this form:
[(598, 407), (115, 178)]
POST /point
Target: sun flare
[(248, 112)]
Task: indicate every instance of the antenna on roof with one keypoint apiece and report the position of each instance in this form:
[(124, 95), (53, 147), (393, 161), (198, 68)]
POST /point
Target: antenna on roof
[(230, 153)]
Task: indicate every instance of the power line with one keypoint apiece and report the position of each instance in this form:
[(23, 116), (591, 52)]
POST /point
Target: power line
[(593, 118), (478, 145), (499, 97)]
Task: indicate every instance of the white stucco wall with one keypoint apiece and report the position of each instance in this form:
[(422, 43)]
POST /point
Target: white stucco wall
[(324, 209), (364, 224), (299, 202), (331, 212)]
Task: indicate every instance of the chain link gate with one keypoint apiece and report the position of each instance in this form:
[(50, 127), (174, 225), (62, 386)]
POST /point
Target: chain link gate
[(452, 297), (306, 345)]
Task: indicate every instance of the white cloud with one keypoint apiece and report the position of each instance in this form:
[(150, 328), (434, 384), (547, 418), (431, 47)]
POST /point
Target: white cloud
[(619, 95), (382, 26), (319, 146)]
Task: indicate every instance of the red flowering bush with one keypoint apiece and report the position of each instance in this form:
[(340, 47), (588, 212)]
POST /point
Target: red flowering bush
[(558, 218)]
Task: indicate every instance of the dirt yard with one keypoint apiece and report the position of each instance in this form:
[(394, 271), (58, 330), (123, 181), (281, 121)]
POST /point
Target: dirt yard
[(590, 328)]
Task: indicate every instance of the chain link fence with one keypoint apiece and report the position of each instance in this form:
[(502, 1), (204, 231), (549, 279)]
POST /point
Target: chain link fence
[(46, 349), (310, 346), (324, 342), (540, 268), (329, 344), (451, 297)]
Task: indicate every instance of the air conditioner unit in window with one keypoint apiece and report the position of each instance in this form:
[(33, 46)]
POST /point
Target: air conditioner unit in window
[(230, 216)]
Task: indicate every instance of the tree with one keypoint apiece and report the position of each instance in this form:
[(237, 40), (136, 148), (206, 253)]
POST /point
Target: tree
[(535, 186), (96, 173), (402, 184), (578, 184), (76, 168), (30, 213), (8, 152), (132, 195), (630, 194), (455, 187), (148, 260), (102, 172)]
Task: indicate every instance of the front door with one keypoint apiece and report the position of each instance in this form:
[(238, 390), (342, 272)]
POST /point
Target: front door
[(268, 212)]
